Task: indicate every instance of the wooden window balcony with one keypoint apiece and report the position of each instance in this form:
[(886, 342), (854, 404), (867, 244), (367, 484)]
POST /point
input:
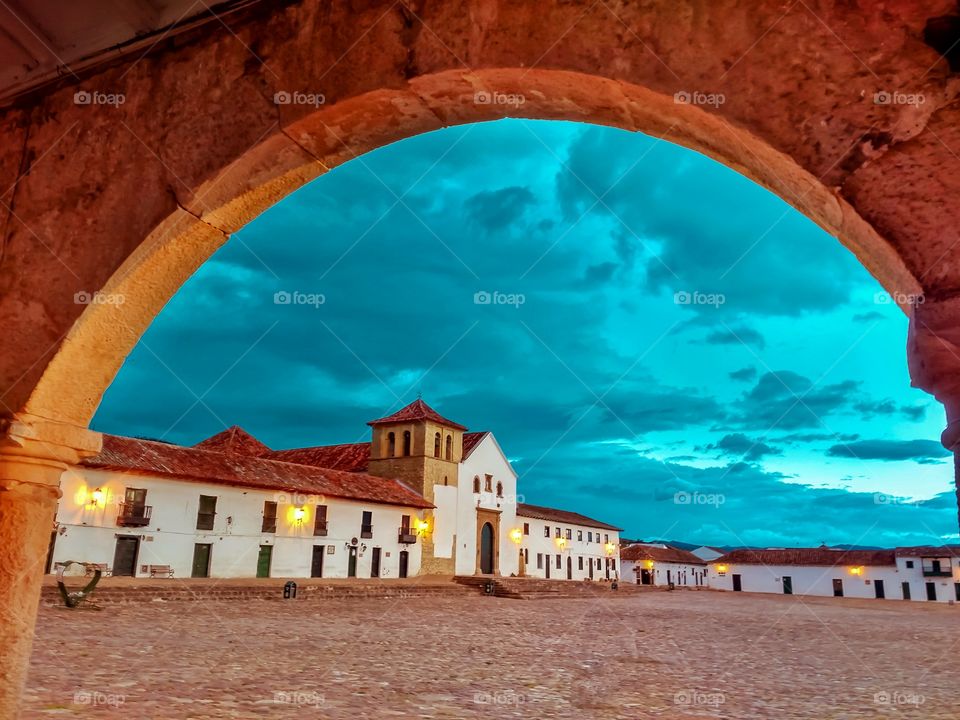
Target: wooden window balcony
[(134, 515), (407, 535)]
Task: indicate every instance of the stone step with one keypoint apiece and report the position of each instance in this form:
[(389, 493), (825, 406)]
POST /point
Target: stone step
[(172, 591), (539, 588)]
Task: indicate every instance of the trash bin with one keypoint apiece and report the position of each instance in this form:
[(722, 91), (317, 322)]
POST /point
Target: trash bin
[(289, 590)]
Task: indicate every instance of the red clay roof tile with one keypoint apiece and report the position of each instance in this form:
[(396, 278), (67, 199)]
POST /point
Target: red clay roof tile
[(231, 468), (657, 554), (563, 516), (234, 440), (417, 410), (823, 557)]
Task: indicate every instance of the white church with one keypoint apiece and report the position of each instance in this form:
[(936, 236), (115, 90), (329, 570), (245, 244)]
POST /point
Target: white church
[(424, 496)]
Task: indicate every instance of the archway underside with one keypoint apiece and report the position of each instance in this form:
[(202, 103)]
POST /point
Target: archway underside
[(203, 143)]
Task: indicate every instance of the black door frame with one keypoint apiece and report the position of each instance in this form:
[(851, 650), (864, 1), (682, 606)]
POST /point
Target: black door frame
[(352, 561), (318, 552), (193, 565), (136, 555), (375, 562), (737, 583), (404, 564)]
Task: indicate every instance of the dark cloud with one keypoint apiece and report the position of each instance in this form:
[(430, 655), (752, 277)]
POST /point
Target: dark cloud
[(891, 450), (736, 336), (498, 209), (743, 258), (739, 445), (786, 400), (872, 316), (817, 437), (744, 374)]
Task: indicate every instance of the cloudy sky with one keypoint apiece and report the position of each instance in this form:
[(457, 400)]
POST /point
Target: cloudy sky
[(654, 340)]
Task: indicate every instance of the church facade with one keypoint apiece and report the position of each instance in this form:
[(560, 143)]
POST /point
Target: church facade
[(424, 496)]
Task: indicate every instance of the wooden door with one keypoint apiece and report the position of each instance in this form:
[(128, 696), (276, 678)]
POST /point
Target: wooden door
[(125, 556), (201, 560), (352, 562), (263, 561), (316, 561)]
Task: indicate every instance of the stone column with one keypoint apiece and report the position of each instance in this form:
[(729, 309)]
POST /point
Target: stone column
[(33, 455), (933, 354)]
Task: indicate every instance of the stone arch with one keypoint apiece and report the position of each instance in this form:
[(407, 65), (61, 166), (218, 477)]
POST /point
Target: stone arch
[(107, 331)]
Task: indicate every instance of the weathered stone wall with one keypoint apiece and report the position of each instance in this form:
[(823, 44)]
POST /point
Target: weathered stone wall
[(131, 198)]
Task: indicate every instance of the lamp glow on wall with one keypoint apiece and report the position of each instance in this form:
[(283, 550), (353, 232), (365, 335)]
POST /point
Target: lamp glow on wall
[(299, 515), (610, 547), (858, 570), (422, 526), (561, 542), (92, 499), (516, 535), (722, 569), (649, 564)]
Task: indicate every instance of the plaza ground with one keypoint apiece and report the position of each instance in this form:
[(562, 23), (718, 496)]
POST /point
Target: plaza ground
[(682, 654)]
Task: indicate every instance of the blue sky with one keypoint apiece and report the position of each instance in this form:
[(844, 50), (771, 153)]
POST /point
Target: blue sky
[(668, 346)]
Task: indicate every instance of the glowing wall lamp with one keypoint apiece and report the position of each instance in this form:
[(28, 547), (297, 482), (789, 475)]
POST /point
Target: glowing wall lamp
[(516, 535), (610, 547), (649, 564), (96, 498), (722, 569), (299, 514), (423, 526), (561, 542), (858, 570)]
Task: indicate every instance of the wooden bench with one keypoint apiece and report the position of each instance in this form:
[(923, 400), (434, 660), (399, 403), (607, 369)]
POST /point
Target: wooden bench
[(160, 570)]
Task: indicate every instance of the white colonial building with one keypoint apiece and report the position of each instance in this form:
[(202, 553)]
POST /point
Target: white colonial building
[(905, 573), (423, 496), (558, 544), (653, 564)]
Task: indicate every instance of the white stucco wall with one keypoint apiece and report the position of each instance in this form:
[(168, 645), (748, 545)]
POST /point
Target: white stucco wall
[(681, 574), (90, 531), (809, 580), (575, 548), (486, 459)]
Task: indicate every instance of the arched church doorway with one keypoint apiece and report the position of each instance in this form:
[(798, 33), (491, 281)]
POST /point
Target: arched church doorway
[(486, 549)]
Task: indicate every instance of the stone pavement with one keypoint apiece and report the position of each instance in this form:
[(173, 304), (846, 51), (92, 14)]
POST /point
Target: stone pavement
[(638, 655)]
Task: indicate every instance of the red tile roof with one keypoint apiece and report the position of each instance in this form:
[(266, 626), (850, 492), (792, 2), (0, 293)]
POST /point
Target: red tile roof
[(562, 516), (930, 551), (234, 440), (351, 457), (231, 468), (417, 410), (824, 557), (470, 441), (658, 554)]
